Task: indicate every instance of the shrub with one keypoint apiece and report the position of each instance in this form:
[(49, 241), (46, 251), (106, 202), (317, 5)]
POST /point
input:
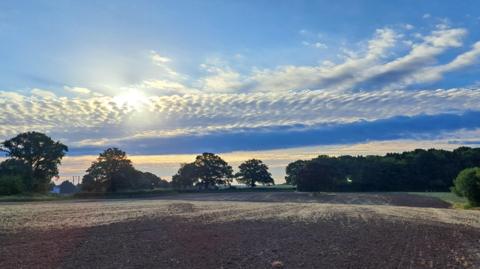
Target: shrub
[(467, 184), (10, 185)]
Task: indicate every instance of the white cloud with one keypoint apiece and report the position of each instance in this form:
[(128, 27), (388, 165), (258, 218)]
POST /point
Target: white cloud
[(97, 120), (78, 90), (165, 87), (43, 93), (220, 77), (378, 67), (158, 59), (320, 45)]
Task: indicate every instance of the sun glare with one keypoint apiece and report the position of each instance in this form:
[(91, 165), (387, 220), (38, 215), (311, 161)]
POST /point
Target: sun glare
[(131, 98)]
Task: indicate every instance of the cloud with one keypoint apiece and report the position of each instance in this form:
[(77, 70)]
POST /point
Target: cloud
[(399, 57), (78, 90), (220, 79), (372, 84), (90, 123), (43, 93), (158, 59), (337, 77), (165, 87), (422, 127), (375, 69), (391, 59), (318, 45)]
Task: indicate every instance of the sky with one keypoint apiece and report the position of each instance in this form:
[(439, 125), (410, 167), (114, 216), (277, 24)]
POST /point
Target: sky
[(276, 80)]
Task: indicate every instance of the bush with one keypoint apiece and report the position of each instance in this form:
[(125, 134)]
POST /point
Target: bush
[(467, 184), (10, 185)]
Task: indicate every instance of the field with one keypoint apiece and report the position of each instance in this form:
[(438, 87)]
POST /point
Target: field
[(241, 230)]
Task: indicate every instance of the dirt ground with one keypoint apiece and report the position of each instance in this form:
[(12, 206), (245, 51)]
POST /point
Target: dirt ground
[(241, 230)]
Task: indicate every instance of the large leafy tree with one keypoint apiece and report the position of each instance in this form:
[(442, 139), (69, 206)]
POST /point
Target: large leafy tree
[(152, 181), (38, 154), (185, 177), (292, 171), (110, 172), (113, 171), (211, 170), (253, 171), (319, 174)]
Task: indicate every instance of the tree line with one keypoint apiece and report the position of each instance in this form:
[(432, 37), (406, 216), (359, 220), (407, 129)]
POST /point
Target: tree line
[(417, 170), (33, 159)]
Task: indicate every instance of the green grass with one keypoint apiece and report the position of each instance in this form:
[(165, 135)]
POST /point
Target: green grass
[(26, 197), (449, 197)]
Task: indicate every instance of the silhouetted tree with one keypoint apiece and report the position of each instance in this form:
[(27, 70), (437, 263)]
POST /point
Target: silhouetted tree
[(292, 171), (211, 170), (417, 170), (153, 181), (186, 176), (320, 174), (18, 169), (253, 171), (67, 187), (111, 171), (40, 156), (11, 184)]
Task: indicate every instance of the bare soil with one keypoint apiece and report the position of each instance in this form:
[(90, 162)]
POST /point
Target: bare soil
[(241, 230)]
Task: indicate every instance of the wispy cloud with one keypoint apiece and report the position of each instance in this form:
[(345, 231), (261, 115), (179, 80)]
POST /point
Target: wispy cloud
[(98, 121), (371, 84)]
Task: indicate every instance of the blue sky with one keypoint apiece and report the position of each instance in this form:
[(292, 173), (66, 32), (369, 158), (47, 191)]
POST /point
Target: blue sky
[(183, 77)]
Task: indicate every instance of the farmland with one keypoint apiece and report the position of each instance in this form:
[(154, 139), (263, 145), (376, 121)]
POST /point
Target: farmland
[(241, 230)]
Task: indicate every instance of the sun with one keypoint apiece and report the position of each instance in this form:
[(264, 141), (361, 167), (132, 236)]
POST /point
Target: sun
[(131, 98)]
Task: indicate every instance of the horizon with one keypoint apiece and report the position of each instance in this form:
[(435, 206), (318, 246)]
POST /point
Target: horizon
[(167, 81)]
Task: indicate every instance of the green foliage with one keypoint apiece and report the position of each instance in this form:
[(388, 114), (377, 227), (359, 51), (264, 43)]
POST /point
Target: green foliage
[(39, 157), (10, 185), (153, 181), (253, 171), (419, 170), (67, 187), (17, 168), (112, 171), (212, 170), (292, 171), (207, 171), (320, 174), (185, 177), (467, 184)]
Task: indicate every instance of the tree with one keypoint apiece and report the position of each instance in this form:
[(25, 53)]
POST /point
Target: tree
[(320, 174), (153, 181), (10, 185), (67, 187), (467, 184), (40, 155), (292, 171), (18, 169), (111, 171), (252, 171), (211, 170), (185, 177)]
